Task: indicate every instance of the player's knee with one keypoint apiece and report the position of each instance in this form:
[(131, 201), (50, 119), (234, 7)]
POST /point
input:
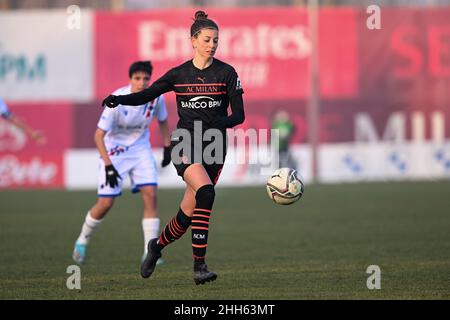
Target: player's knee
[(149, 193), (187, 208), (205, 195), (105, 204)]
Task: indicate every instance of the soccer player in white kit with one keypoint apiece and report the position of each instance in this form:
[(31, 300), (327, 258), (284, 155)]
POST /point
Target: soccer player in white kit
[(122, 139)]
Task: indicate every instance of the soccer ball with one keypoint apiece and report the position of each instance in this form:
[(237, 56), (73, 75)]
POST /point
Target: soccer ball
[(284, 186)]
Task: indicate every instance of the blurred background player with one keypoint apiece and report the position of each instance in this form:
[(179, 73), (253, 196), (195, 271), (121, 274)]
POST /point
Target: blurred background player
[(122, 139), (282, 122), (36, 135)]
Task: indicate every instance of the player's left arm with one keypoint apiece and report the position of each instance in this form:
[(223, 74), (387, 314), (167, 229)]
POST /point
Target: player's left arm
[(235, 92), (237, 111)]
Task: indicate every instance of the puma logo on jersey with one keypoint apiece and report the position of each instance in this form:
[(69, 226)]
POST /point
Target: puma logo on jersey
[(201, 79), (238, 84)]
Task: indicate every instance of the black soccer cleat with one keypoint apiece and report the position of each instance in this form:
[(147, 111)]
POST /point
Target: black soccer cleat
[(202, 275), (149, 263)]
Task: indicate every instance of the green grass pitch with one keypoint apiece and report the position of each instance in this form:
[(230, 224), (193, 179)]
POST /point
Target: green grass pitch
[(318, 248)]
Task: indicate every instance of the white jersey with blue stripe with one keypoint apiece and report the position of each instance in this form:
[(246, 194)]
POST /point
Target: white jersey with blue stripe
[(127, 126)]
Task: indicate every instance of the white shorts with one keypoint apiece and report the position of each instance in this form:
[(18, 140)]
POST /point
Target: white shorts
[(139, 166)]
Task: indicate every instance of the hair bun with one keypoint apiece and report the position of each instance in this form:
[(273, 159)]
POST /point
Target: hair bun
[(201, 15)]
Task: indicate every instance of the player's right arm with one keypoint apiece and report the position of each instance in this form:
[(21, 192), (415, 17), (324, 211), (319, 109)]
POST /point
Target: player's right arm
[(105, 124), (159, 87), (99, 139), (111, 174)]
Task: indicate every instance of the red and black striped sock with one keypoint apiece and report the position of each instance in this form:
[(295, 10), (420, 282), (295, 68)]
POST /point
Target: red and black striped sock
[(176, 227), (200, 222)]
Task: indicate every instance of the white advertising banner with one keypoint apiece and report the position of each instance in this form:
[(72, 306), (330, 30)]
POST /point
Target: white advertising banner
[(46, 55), (383, 161), (344, 162)]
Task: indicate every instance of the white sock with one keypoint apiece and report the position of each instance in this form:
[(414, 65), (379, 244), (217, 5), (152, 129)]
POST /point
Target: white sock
[(89, 225), (150, 226)]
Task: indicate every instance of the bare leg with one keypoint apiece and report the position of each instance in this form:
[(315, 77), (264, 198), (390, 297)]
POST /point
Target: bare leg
[(148, 194), (188, 202), (101, 207)]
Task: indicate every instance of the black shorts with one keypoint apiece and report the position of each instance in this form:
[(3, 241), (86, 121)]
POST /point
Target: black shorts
[(183, 159), (213, 170)]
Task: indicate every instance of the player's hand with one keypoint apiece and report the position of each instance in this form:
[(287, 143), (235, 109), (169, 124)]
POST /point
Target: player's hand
[(111, 176), (166, 156), (39, 137), (220, 123), (111, 101)]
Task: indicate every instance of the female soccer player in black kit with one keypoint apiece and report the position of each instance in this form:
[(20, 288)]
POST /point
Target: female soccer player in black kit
[(204, 88)]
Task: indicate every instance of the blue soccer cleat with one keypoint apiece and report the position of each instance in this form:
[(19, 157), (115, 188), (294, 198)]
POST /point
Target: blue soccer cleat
[(79, 253)]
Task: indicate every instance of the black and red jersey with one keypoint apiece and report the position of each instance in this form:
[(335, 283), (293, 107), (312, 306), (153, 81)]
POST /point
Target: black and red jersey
[(202, 95)]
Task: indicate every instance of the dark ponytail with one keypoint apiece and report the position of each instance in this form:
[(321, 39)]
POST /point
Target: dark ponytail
[(201, 21)]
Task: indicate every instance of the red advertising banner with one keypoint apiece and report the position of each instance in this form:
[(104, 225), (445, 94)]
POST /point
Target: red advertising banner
[(407, 60), (339, 68), (25, 163), (269, 48), (25, 170)]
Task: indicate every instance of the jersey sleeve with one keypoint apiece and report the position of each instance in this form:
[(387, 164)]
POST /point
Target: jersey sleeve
[(106, 119), (234, 86), (160, 109), (159, 87), (4, 111)]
